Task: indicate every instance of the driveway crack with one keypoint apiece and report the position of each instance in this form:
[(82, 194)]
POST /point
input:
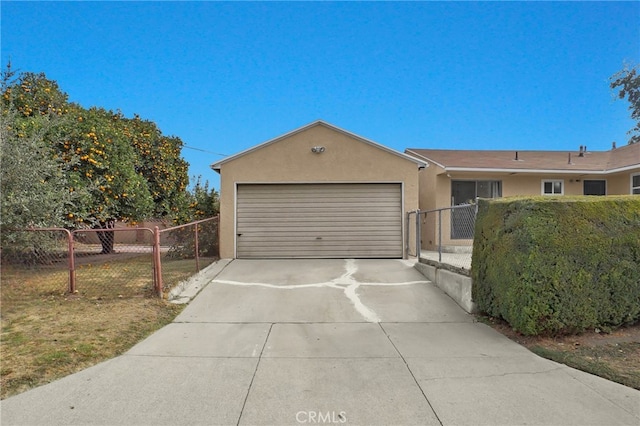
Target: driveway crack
[(486, 376), (255, 371), (411, 372), (345, 282)]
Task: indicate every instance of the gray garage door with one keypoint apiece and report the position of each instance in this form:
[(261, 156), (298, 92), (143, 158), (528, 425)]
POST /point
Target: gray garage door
[(319, 221)]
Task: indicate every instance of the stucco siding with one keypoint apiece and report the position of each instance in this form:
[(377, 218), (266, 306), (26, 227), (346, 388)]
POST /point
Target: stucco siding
[(290, 160), (621, 183), (435, 192)]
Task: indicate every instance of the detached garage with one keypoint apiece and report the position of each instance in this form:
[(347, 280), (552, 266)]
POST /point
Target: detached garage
[(316, 192), (319, 220)]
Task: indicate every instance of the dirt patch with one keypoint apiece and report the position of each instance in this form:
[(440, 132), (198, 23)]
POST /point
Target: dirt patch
[(613, 355)]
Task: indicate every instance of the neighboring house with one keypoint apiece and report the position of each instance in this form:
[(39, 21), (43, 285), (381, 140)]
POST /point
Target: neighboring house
[(458, 176), (319, 192), (322, 192)]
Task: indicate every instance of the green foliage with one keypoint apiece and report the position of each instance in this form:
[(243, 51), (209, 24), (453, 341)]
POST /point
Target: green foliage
[(628, 80), (31, 177), (558, 265), (159, 161), (205, 202), (100, 166), (33, 94), (106, 168)]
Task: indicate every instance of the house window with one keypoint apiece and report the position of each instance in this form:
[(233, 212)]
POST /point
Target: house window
[(594, 187), (635, 183), (552, 187), (466, 191)]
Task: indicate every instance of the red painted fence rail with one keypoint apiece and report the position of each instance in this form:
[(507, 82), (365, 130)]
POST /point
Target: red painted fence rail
[(113, 262)]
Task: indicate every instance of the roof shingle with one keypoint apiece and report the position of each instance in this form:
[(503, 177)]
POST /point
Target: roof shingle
[(596, 161)]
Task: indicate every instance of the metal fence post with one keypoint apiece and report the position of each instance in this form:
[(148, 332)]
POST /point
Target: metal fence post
[(72, 265), (440, 236), (197, 249), (218, 233), (418, 236), (157, 264), (406, 236)]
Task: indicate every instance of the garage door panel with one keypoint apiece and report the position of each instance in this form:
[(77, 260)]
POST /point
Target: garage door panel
[(304, 245), (391, 211), (260, 236), (289, 228), (319, 220), (324, 232), (258, 198), (344, 252), (364, 205), (318, 208), (319, 189), (326, 240), (373, 245)]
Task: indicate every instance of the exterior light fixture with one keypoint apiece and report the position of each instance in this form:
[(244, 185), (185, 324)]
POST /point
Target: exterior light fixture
[(317, 149)]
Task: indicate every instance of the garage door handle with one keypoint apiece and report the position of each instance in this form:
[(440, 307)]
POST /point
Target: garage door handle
[(239, 235), (318, 238)]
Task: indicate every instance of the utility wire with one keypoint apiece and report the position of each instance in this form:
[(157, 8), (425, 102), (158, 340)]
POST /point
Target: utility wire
[(204, 150)]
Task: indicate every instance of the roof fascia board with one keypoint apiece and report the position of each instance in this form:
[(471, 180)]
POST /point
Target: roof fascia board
[(415, 154), (374, 144), (507, 170), (538, 171), (216, 166), (624, 168)]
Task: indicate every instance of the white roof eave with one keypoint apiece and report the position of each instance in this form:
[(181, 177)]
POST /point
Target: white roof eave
[(540, 171), (216, 166)]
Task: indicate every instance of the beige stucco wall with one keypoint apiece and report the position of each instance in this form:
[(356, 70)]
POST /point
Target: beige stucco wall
[(435, 192), (620, 183), (290, 160), (432, 196)]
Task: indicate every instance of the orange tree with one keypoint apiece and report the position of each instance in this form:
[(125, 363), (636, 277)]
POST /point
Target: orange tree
[(31, 176), (165, 171), (106, 168), (124, 169), (205, 202)]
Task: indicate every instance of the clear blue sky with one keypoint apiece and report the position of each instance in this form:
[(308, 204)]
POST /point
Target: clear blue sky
[(226, 76)]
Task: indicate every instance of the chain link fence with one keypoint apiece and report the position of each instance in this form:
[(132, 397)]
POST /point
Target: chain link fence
[(189, 249), (114, 262), (118, 262), (36, 263), (446, 235)]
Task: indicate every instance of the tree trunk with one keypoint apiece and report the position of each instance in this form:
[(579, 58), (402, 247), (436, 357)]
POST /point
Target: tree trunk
[(107, 238)]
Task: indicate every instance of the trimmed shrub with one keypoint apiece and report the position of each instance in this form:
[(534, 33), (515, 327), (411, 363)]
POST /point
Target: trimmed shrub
[(560, 265)]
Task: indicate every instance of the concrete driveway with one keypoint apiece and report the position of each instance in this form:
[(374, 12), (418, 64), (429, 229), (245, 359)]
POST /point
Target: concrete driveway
[(325, 342)]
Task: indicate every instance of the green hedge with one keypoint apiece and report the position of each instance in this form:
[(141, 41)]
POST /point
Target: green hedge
[(558, 265)]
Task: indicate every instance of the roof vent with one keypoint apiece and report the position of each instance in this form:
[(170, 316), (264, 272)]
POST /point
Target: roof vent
[(517, 159), (583, 149), (613, 145), (569, 162)]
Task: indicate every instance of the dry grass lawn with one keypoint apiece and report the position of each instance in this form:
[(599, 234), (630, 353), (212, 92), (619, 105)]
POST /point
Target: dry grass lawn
[(47, 334)]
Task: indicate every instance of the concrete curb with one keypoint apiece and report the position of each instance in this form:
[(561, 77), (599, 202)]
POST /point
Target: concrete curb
[(457, 286), (185, 291)]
